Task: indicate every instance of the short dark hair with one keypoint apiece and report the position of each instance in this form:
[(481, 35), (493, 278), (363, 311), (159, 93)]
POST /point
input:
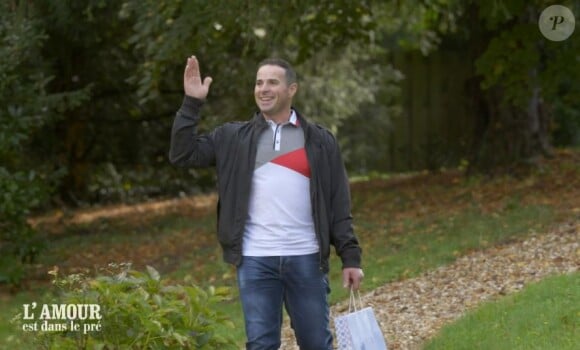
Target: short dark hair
[(291, 76)]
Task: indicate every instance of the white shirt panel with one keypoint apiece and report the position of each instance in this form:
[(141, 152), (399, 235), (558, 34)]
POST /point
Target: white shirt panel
[(280, 214)]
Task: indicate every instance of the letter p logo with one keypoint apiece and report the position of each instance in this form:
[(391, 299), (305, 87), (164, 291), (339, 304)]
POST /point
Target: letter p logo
[(557, 23)]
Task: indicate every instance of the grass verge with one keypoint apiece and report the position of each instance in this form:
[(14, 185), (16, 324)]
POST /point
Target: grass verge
[(543, 316)]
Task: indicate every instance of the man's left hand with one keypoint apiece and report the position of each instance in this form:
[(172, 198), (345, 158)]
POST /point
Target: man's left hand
[(352, 277)]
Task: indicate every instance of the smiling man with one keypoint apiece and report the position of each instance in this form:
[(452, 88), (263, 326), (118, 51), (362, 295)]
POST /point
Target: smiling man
[(284, 199)]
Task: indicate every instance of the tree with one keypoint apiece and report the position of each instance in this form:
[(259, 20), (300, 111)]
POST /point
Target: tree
[(25, 107), (84, 51), (230, 37), (521, 77)]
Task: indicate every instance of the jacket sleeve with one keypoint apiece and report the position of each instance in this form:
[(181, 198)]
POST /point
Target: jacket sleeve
[(342, 232), (187, 148)]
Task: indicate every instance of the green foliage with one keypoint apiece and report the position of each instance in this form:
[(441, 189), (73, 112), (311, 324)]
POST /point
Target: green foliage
[(138, 310), (508, 62), (542, 316), (114, 184), (527, 81), (22, 95), (19, 192), (535, 76), (413, 25), (566, 124), (362, 132), (561, 85), (25, 106), (336, 85), (166, 32)]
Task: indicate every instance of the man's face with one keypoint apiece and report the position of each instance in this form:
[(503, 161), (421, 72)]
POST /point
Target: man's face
[(272, 93)]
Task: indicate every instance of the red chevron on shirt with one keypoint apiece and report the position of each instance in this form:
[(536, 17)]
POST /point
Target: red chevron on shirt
[(295, 160)]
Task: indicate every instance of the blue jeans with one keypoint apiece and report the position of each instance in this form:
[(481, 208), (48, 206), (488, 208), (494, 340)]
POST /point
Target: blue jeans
[(267, 283)]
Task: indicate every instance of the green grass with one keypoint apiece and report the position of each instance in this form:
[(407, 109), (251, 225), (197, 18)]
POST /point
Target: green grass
[(434, 241), (392, 249), (543, 316)]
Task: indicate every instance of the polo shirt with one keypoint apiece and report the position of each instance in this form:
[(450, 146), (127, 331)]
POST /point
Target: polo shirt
[(279, 221)]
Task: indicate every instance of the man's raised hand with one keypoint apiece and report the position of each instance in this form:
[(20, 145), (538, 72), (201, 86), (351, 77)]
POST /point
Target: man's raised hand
[(192, 83)]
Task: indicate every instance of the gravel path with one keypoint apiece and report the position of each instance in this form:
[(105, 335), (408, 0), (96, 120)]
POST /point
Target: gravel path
[(413, 310)]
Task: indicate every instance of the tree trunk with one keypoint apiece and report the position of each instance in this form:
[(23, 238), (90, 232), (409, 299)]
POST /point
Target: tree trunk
[(73, 187), (509, 139)]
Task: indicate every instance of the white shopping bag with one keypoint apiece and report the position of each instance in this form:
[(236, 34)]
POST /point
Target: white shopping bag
[(358, 330)]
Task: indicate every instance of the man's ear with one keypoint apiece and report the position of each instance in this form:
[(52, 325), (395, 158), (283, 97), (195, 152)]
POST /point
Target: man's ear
[(293, 88)]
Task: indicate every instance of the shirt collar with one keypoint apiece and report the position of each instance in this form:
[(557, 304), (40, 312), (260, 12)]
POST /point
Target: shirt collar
[(293, 120)]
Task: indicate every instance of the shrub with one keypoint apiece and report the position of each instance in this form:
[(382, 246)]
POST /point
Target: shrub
[(26, 106), (137, 310), (19, 242)]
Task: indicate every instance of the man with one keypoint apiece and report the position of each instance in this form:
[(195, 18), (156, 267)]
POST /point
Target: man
[(283, 199)]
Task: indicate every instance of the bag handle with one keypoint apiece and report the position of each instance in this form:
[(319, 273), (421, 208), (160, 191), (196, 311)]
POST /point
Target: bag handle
[(352, 301)]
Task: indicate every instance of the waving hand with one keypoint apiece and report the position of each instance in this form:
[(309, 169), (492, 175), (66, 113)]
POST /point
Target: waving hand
[(192, 83)]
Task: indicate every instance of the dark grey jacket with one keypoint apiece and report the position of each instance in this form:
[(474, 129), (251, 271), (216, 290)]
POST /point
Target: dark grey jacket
[(232, 149)]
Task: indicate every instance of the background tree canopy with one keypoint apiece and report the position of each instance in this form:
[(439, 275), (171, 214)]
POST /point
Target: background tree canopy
[(89, 89)]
